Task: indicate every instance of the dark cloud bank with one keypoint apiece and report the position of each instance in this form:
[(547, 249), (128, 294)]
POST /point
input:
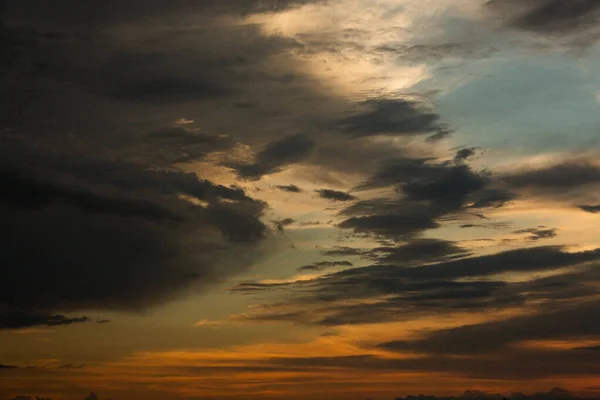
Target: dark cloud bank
[(97, 208), (576, 21)]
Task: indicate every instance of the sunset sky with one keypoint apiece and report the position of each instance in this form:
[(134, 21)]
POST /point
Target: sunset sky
[(299, 199)]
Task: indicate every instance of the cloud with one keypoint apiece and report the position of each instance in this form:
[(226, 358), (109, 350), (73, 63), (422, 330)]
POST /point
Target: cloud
[(114, 235), (561, 177), (469, 339), (555, 18), (492, 198), (418, 251), (281, 224), (506, 366), (395, 292), (335, 195), (538, 233), (427, 192), (392, 117), (590, 209), (450, 185), (25, 192), (276, 155), (180, 145), (464, 154), (98, 80), (17, 320), (322, 265), (343, 251), (289, 188), (393, 225)]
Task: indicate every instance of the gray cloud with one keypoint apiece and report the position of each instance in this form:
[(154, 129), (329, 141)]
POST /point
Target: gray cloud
[(344, 251), (97, 14), (569, 322), (590, 209), (391, 116), (322, 265), (464, 154), (396, 226), (426, 193), (539, 233), (276, 155), (396, 293), (281, 224), (418, 251), (16, 320), (509, 365), (113, 235), (25, 192), (556, 18), (335, 195), (492, 198), (555, 178), (289, 188)]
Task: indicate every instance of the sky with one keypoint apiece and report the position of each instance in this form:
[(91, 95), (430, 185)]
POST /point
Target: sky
[(299, 199)]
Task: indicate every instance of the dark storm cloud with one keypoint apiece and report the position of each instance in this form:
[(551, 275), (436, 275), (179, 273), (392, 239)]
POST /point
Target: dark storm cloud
[(281, 224), (394, 293), (550, 17), (334, 195), (24, 192), (180, 145), (80, 70), (154, 75), (127, 176), (464, 154), (398, 170), (448, 186), (556, 178), (97, 14), (397, 293), (393, 117), (414, 251), (492, 198), (419, 250), (421, 179), (16, 320), (113, 235), (590, 209), (395, 226), (97, 212), (418, 300), (276, 155), (426, 193), (107, 72), (289, 188), (412, 300), (527, 259), (568, 322), (322, 265)]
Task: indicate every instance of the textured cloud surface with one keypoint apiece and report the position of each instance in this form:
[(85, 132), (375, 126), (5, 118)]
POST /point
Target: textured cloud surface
[(340, 199)]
